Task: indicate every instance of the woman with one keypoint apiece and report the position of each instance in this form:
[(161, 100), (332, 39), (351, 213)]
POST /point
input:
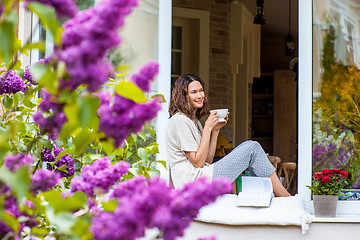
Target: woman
[(191, 147)]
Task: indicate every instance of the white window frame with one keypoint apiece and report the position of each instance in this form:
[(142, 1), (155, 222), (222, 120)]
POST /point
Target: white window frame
[(164, 79), (347, 211)]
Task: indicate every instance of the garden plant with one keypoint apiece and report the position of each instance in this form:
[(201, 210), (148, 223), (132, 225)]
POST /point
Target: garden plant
[(76, 160), (336, 117)]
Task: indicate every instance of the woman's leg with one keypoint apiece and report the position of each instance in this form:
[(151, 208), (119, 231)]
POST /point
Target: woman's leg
[(248, 155)]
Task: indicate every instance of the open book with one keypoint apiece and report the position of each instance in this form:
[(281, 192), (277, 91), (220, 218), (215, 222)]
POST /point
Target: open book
[(256, 192)]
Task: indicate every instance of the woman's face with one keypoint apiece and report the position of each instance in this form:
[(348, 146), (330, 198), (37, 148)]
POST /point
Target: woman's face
[(196, 94)]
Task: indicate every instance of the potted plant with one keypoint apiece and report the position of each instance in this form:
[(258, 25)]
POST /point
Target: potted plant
[(326, 186)]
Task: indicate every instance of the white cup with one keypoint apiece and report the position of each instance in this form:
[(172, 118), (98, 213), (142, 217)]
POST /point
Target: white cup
[(221, 113)]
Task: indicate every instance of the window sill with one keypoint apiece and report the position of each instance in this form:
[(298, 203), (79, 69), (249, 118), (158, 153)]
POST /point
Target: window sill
[(338, 219), (346, 212)]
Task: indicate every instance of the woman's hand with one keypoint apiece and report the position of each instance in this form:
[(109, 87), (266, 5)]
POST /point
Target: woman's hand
[(212, 121), (221, 124)]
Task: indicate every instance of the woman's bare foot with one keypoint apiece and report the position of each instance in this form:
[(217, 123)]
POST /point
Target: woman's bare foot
[(278, 188)]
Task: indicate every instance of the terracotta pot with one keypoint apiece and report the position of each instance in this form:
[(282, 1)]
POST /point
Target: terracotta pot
[(325, 205)]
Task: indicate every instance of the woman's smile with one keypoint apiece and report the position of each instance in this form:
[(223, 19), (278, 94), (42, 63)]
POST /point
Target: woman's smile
[(196, 94)]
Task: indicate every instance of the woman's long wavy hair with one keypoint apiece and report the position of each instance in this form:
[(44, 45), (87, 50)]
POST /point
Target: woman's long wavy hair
[(180, 99)]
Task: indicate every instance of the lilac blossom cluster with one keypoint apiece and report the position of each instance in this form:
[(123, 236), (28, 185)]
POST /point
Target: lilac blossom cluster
[(28, 77), (12, 83), (14, 162), (66, 160), (43, 180), (63, 8), (99, 176), (50, 123), (126, 117), (148, 203), (146, 75), (27, 74), (87, 38)]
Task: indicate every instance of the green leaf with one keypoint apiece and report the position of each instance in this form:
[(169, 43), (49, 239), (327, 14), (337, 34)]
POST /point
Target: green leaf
[(131, 91), (45, 76), (64, 221), (162, 162), (142, 135), (17, 65), (63, 153), (143, 154), (154, 173), (72, 113), (153, 148), (153, 134), (159, 97), (9, 42), (10, 220), (36, 45), (7, 101), (71, 203), (134, 171), (119, 152), (88, 110), (81, 229), (47, 16), (82, 140), (39, 231), (107, 146), (19, 181), (110, 206)]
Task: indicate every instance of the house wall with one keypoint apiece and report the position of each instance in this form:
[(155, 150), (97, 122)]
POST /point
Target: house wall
[(220, 92)]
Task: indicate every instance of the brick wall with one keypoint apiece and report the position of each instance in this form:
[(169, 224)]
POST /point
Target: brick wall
[(220, 92)]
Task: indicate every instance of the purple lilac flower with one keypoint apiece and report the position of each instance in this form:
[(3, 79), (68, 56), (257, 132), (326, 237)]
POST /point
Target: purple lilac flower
[(63, 8), (99, 176), (12, 83), (51, 124), (146, 75), (126, 117), (87, 38), (43, 180), (105, 101), (10, 206), (14, 162), (147, 203), (28, 77), (66, 160)]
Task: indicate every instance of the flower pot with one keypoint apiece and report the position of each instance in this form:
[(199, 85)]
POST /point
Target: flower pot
[(325, 205)]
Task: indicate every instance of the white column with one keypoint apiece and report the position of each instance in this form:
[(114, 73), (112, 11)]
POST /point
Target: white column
[(24, 31), (305, 99), (164, 78)]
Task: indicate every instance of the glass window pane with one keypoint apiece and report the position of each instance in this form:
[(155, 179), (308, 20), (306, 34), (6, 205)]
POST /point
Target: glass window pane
[(176, 38), (336, 84), (176, 63)]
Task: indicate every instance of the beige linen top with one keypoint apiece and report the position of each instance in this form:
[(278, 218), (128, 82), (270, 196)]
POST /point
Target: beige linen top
[(182, 135)]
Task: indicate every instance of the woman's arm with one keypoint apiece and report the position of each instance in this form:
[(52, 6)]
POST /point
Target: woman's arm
[(199, 157), (212, 146), (213, 141)]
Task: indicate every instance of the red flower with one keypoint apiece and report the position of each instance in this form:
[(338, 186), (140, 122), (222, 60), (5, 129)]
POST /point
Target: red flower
[(318, 175), (327, 172), (326, 179), (344, 173), (336, 170)]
